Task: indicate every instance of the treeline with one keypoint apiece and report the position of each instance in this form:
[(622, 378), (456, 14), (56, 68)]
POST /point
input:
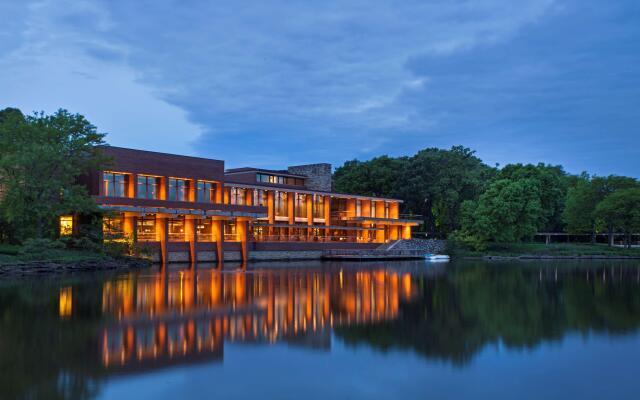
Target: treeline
[(458, 196)]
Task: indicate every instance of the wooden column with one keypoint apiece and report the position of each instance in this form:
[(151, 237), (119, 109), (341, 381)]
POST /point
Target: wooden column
[(309, 215), (243, 235), (130, 226), (162, 236), (191, 233), (248, 196), (219, 192), (290, 211), (218, 237)]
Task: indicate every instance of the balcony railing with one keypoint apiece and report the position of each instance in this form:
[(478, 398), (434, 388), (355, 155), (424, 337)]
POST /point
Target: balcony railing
[(205, 237), (304, 238), (230, 237), (176, 237), (147, 236)]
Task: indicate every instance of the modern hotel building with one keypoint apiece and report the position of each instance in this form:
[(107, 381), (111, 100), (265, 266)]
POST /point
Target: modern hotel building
[(191, 209)]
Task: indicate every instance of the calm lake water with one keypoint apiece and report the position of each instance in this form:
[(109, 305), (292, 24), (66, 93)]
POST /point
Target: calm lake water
[(392, 330)]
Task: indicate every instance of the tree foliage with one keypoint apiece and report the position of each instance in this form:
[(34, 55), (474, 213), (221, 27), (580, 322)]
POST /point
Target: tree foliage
[(42, 157), (621, 211)]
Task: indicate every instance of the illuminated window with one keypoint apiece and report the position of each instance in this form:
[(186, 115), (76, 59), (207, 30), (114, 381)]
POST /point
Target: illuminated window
[(113, 226), (358, 208), (260, 197), (205, 230), (148, 187), (386, 210), (147, 228), (206, 192), (281, 206), (178, 189), (238, 196), (318, 206), (300, 205), (66, 225), (230, 232), (115, 184), (176, 229), (373, 209)]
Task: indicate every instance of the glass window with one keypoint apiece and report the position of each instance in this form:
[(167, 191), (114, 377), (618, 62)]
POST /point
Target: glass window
[(318, 206), (238, 196), (113, 226), (115, 184), (358, 208), (147, 228), (373, 209), (206, 192), (386, 210), (178, 189), (230, 230), (66, 225), (205, 230), (300, 205), (260, 197), (176, 229), (281, 206), (148, 187)]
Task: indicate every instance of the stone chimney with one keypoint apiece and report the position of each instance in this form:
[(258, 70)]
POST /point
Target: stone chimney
[(318, 175)]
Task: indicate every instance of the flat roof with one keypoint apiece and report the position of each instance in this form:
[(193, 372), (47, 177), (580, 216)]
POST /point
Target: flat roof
[(231, 171)]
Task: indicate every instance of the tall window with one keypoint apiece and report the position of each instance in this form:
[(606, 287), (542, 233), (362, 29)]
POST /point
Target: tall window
[(147, 228), (113, 226), (238, 196), (205, 192), (386, 209), (373, 209), (230, 232), (318, 206), (148, 187), (176, 229), (178, 189), (281, 207), (358, 208), (260, 197), (205, 230), (115, 184), (300, 205), (66, 225)]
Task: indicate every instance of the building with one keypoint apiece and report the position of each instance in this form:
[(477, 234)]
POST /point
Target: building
[(191, 209)]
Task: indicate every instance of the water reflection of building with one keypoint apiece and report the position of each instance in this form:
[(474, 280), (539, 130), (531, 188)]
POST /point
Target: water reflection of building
[(186, 315)]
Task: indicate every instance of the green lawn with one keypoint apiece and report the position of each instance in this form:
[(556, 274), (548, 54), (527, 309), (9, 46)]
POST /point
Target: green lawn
[(10, 254), (554, 249)]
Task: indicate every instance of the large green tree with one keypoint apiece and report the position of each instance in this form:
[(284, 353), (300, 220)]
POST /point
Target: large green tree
[(508, 211), (551, 181), (42, 157), (376, 177), (621, 211)]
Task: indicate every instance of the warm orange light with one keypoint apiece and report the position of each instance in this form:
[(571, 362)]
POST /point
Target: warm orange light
[(66, 225), (65, 302)]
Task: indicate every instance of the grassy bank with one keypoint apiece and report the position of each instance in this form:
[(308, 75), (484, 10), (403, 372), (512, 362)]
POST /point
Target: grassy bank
[(550, 250), (10, 254)]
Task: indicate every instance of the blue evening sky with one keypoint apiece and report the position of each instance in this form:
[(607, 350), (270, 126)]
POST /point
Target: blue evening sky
[(274, 83)]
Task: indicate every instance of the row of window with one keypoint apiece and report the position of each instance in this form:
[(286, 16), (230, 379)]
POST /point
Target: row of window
[(283, 180), (372, 209), (113, 227), (148, 187)]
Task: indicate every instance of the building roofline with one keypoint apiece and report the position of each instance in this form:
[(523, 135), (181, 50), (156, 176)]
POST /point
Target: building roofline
[(243, 170), (158, 153)]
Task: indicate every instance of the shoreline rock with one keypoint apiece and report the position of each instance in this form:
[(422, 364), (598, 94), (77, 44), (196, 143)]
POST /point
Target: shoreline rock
[(40, 268)]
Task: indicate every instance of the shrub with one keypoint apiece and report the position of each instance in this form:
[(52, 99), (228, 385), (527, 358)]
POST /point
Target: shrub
[(37, 246)]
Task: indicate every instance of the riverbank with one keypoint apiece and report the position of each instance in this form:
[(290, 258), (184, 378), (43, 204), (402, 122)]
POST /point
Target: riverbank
[(16, 263), (543, 251)]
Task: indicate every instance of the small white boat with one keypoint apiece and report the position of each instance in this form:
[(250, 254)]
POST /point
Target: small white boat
[(436, 257)]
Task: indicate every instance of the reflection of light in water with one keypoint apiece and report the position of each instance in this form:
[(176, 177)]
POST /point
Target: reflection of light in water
[(206, 307), (65, 302)]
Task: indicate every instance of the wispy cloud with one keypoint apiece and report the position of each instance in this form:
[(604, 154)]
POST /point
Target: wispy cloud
[(325, 81)]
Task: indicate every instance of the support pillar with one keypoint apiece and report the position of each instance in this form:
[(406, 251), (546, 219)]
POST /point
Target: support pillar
[(218, 237), (243, 234), (162, 235), (191, 233), (406, 232)]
